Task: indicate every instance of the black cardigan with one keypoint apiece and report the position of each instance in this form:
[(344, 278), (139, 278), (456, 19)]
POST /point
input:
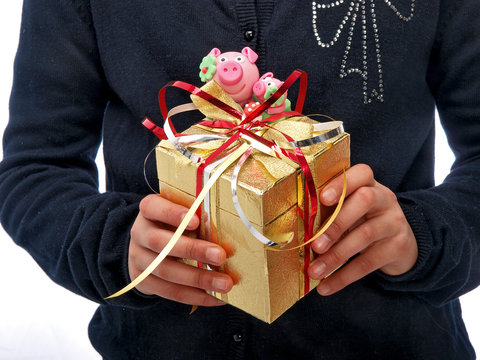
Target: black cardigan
[(88, 71)]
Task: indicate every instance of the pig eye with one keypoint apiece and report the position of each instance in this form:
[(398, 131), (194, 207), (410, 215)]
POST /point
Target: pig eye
[(222, 59), (270, 84), (239, 59)]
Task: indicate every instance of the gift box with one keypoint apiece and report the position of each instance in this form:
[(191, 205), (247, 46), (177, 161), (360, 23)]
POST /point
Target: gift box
[(271, 192)]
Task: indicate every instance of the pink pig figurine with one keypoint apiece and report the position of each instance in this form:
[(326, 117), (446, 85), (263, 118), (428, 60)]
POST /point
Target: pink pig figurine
[(265, 87), (235, 72)]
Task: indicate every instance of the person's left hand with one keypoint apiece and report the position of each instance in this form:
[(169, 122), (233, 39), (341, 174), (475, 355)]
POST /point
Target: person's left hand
[(371, 224)]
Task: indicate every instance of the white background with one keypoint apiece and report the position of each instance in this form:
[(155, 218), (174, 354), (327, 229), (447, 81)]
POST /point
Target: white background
[(40, 320)]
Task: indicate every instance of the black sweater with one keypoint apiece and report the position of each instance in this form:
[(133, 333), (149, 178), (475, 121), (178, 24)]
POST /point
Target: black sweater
[(88, 71)]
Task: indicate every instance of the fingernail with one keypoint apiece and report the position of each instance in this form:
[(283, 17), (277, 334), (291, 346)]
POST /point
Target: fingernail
[(220, 284), (317, 270), (329, 195), (320, 245), (213, 255)]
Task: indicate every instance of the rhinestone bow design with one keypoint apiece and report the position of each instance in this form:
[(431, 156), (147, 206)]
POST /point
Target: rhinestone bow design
[(360, 12)]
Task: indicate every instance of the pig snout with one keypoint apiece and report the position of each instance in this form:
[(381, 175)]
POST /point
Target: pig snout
[(230, 72), (259, 88)]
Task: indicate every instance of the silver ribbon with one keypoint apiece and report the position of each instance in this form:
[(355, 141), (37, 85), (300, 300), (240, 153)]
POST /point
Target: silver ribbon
[(335, 131), (178, 141), (259, 236)]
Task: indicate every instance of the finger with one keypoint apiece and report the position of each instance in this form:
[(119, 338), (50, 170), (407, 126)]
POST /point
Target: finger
[(357, 176), (184, 274), (186, 248), (153, 285), (159, 209), (365, 263), (188, 233), (359, 239), (366, 199)]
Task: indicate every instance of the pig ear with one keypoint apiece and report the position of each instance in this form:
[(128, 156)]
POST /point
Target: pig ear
[(250, 54), (268, 74), (216, 52)]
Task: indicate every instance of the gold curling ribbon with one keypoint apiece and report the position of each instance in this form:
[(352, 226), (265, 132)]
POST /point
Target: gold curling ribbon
[(186, 220)]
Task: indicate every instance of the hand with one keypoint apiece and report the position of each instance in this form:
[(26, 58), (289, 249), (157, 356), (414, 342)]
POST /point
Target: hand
[(154, 226), (373, 226)]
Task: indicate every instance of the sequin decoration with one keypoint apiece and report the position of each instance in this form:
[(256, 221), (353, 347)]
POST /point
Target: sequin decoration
[(359, 13)]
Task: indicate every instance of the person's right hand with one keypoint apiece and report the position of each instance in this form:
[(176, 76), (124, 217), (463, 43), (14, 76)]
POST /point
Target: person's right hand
[(154, 226)]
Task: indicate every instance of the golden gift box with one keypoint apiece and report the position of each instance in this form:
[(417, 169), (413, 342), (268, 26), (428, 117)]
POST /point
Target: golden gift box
[(259, 180), (271, 193)]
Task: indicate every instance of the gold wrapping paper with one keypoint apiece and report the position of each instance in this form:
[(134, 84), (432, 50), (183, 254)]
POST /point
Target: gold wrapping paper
[(270, 192)]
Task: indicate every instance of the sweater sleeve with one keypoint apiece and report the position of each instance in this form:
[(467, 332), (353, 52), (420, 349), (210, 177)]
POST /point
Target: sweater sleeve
[(51, 205), (445, 218)]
